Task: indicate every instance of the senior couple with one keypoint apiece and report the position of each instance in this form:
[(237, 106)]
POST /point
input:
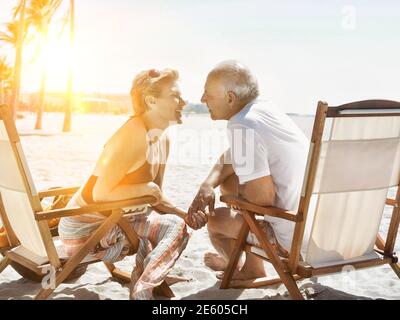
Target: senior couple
[(133, 161)]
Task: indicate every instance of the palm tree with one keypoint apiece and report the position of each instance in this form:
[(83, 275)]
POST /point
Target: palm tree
[(68, 107), (5, 80), (39, 15), (11, 35), (15, 35), (22, 28)]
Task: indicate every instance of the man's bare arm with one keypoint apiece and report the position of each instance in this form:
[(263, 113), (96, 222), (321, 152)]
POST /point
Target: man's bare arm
[(260, 191), (219, 173), (205, 197)]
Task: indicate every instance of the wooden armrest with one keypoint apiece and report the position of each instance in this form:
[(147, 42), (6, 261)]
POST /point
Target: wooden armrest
[(101, 206), (391, 202), (57, 192), (270, 211)]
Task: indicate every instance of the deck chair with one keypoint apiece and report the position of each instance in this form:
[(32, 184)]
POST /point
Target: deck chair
[(59, 198), (32, 245), (354, 159)]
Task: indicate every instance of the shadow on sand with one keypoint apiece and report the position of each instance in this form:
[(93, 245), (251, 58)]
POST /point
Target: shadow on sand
[(310, 291), (28, 289)]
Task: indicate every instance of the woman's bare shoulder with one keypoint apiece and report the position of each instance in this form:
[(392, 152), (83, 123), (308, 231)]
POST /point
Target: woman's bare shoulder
[(133, 133), (127, 146), (135, 124)]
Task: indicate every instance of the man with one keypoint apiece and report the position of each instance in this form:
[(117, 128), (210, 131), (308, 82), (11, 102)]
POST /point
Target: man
[(264, 164)]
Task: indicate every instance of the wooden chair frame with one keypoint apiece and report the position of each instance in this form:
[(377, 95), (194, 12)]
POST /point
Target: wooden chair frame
[(291, 268), (113, 212)]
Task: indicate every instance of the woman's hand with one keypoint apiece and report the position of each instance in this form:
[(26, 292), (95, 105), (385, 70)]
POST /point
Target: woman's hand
[(155, 191), (166, 206)]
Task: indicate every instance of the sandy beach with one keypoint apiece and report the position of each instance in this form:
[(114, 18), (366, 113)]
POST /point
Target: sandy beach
[(58, 159)]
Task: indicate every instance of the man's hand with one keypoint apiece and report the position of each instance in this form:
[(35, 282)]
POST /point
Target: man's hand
[(197, 220), (197, 214)]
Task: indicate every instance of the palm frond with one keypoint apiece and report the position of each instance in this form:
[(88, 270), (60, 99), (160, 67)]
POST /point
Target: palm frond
[(17, 9), (10, 36), (41, 12), (5, 69)]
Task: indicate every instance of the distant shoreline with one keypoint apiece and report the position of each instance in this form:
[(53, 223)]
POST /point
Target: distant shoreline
[(190, 113)]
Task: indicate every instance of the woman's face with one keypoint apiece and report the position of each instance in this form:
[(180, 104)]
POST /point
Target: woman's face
[(169, 104)]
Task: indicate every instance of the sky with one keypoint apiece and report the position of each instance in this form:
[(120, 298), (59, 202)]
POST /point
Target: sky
[(300, 51)]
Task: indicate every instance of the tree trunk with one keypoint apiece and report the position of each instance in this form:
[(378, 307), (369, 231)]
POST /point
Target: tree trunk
[(70, 93), (2, 93), (41, 102), (42, 94), (18, 61)]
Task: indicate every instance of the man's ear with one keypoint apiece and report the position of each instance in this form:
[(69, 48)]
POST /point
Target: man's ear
[(231, 96), (150, 100)]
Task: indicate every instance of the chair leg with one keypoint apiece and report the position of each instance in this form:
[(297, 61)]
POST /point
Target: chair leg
[(118, 273), (164, 290), (237, 251), (74, 261), (380, 243), (291, 286), (130, 233), (4, 263), (60, 276), (396, 268), (287, 278), (260, 282)]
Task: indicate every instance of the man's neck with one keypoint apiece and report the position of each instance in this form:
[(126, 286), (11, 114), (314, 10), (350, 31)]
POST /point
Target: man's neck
[(240, 106)]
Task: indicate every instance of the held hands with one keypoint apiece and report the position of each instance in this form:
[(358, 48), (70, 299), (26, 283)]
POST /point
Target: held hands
[(197, 214)]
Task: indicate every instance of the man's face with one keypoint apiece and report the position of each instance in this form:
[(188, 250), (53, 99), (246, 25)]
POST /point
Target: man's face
[(215, 98)]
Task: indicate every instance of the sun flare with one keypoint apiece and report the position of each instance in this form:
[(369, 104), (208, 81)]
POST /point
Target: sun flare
[(56, 56)]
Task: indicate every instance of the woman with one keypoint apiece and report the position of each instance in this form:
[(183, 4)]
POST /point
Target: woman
[(132, 165)]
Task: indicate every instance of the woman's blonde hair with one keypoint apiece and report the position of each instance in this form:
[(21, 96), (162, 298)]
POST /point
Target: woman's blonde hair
[(149, 82)]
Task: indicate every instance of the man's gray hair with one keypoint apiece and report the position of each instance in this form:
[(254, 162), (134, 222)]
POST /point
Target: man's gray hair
[(237, 78)]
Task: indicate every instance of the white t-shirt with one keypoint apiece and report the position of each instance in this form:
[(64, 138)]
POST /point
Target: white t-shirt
[(265, 141)]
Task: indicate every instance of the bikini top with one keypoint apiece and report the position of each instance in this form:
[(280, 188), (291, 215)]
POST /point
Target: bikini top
[(143, 174)]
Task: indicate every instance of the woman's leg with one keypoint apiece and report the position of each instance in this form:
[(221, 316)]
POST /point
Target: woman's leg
[(163, 237)]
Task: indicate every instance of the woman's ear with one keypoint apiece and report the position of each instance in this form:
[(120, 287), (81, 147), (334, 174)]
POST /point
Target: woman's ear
[(150, 100)]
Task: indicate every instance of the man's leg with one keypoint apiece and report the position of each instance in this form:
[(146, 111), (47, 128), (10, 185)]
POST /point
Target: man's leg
[(215, 261), (223, 229)]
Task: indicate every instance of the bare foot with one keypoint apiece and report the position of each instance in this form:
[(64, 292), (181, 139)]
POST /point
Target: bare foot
[(214, 261), (243, 275), (170, 280)]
